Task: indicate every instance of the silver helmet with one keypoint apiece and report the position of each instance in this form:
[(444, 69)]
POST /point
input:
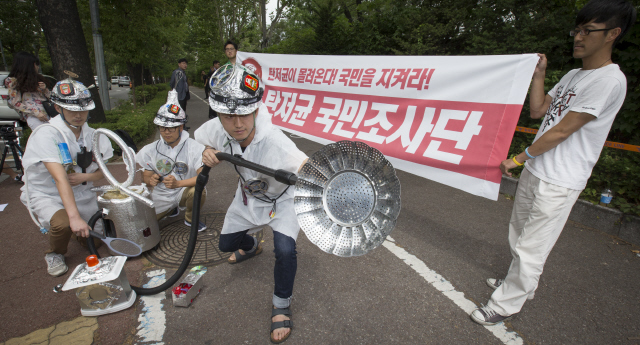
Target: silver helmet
[(72, 95), (170, 114), (235, 89)]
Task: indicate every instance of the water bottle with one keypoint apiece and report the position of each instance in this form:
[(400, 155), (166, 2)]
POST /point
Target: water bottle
[(605, 197)]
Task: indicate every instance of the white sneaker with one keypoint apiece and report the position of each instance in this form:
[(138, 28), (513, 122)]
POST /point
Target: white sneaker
[(487, 316), (55, 264), (495, 283)]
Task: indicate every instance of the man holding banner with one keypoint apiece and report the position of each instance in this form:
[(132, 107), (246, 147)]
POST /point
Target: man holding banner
[(578, 114)]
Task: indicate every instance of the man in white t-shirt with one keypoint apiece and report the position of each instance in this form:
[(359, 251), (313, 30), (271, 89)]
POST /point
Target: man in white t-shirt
[(54, 191), (578, 113), (171, 165), (244, 127)]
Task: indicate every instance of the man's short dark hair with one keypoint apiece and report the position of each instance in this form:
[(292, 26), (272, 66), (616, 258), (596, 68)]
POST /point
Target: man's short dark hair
[(215, 62), (182, 60), (614, 13), (231, 42)]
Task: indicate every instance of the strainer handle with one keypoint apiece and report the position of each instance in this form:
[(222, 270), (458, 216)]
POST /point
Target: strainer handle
[(280, 175)]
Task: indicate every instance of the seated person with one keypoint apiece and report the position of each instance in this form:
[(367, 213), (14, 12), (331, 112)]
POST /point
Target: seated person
[(172, 164), (244, 127), (53, 190)]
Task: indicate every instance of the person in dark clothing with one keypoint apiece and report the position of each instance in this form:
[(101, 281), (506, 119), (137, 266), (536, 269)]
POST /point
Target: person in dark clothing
[(180, 84)]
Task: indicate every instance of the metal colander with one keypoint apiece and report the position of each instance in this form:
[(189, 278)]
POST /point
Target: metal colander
[(347, 198)]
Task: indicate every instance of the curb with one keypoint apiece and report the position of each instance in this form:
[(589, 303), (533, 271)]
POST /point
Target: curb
[(605, 219)]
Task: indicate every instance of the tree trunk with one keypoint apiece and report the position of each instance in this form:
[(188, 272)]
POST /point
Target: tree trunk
[(60, 22), (135, 71), (148, 78)]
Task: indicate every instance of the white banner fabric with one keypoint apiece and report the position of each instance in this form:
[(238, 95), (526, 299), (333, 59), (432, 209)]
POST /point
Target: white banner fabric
[(446, 118)]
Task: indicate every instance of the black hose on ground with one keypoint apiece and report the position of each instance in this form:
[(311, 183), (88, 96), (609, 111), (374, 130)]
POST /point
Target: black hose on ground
[(280, 175), (201, 182)]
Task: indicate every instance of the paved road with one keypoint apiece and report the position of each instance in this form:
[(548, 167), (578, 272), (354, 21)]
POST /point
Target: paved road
[(118, 94), (415, 289)]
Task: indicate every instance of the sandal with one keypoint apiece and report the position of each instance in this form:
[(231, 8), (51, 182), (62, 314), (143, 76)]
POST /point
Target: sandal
[(245, 256), (281, 324)]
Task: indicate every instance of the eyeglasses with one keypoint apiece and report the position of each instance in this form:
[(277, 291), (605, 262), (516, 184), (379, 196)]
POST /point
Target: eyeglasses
[(167, 129), (229, 49), (585, 32)]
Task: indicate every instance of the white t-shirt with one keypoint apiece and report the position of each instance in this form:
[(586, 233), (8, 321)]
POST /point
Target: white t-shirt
[(181, 161), (43, 147), (271, 148), (597, 92)]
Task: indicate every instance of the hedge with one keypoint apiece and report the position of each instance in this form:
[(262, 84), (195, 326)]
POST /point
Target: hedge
[(138, 122)]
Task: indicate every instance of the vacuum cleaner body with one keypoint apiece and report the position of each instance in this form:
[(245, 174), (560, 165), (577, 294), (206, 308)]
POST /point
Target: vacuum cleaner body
[(132, 219)]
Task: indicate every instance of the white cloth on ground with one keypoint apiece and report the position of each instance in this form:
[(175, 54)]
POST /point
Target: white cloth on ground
[(43, 147), (270, 147), (181, 161)]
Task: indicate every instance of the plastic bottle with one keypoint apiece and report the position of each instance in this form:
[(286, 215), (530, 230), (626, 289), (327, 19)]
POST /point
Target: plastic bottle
[(605, 197)]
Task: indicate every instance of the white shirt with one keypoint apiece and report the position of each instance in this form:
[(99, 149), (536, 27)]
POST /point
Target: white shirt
[(181, 161), (43, 147), (270, 147), (597, 92)]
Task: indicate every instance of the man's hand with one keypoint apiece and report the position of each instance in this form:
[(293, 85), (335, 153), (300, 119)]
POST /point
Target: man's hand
[(79, 226), (541, 67), (209, 157), (77, 178), (171, 182), (507, 165), (154, 180)]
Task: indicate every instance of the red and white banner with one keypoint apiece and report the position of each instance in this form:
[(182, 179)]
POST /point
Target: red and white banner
[(446, 118)]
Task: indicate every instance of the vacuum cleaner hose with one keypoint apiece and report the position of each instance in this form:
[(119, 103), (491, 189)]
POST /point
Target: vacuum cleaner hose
[(201, 182)]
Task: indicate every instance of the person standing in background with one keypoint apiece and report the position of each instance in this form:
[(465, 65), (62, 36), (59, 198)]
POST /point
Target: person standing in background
[(230, 50), (180, 84), (27, 90)]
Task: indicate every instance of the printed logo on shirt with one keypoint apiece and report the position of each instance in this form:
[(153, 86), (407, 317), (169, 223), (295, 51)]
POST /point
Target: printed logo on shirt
[(558, 106), (589, 108)]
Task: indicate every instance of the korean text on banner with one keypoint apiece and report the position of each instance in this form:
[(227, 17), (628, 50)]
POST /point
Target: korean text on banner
[(446, 118)]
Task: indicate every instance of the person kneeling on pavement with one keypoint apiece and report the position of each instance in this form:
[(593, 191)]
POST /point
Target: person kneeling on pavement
[(172, 164), (244, 127), (54, 189)]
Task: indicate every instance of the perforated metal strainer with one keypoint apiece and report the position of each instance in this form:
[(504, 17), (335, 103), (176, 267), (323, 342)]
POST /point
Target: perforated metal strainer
[(347, 198)]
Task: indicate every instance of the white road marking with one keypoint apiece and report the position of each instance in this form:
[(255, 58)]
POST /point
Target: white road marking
[(205, 102), (500, 331), (152, 319)]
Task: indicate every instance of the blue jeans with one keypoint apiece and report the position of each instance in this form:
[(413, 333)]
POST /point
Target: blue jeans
[(284, 271)]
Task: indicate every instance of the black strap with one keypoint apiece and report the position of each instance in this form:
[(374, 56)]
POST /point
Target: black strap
[(83, 102), (281, 324), (281, 311), (237, 101)]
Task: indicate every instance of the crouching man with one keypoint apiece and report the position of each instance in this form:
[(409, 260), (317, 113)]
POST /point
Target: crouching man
[(54, 189), (244, 127), (172, 164)]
